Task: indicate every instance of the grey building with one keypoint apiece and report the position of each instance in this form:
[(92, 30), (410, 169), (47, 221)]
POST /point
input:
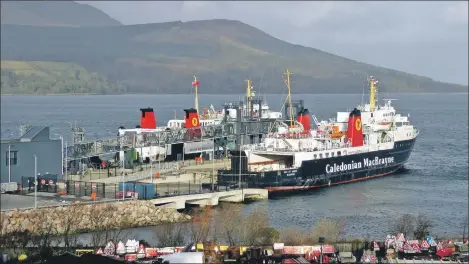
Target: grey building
[(36, 141)]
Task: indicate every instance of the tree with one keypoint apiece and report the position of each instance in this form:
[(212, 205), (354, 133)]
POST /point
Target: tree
[(45, 235), (70, 223), (16, 241), (200, 224), (170, 235), (294, 236), (102, 218), (229, 224), (405, 224), (423, 226), (256, 229), (330, 229)]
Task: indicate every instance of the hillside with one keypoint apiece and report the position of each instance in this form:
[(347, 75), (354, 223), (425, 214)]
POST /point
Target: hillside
[(54, 13), (19, 77), (162, 58)]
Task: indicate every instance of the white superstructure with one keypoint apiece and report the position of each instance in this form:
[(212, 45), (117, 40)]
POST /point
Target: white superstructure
[(380, 126)]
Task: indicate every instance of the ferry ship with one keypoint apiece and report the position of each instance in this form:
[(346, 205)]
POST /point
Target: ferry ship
[(367, 142)]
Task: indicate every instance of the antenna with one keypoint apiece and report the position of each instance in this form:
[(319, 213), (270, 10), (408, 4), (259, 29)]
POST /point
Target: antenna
[(365, 78), (195, 84), (288, 73)]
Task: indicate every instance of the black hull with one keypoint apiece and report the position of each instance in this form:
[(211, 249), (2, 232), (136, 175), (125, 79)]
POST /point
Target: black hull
[(319, 173)]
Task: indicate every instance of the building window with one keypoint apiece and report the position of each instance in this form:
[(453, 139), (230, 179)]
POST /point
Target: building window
[(13, 157)]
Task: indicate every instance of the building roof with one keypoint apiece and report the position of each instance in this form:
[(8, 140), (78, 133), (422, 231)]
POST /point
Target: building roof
[(32, 134)]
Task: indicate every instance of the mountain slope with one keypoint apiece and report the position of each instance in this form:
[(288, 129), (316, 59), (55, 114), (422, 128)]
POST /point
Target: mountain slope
[(164, 57), (38, 77), (54, 13)]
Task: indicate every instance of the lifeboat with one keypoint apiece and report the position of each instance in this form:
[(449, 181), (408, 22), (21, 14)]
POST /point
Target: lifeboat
[(336, 133), (383, 126)]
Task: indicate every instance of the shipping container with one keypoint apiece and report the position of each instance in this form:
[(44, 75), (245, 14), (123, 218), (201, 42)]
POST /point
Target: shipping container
[(145, 190), (150, 191)]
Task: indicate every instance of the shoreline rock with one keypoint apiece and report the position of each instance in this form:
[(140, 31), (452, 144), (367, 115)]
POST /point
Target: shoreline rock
[(79, 217)]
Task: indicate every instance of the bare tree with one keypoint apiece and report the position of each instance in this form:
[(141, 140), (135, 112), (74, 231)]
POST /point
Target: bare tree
[(16, 241), (70, 223), (107, 227), (330, 229), (423, 226), (45, 235), (405, 224), (229, 223), (169, 235), (256, 228), (294, 236), (200, 224)]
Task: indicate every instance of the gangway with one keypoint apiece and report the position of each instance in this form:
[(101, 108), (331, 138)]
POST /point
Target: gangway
[(315, 120)]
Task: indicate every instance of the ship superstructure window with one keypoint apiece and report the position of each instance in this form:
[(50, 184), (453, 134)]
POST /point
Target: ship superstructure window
[(13, 157), (315, 156), (320, 155), (338, 153)]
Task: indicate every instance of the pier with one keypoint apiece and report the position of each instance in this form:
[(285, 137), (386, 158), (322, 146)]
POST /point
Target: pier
[(212, 199)]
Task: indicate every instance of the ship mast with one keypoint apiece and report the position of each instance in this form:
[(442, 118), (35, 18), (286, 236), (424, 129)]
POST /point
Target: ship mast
[(288, 73), (248, 96), (373, 92), (195, 84)]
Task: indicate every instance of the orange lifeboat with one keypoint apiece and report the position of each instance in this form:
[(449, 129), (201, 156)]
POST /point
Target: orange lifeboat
[(384, 123), (336, 133)]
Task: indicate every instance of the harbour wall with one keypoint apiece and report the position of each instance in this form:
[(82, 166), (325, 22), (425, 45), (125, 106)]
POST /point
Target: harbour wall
[(81, 217)]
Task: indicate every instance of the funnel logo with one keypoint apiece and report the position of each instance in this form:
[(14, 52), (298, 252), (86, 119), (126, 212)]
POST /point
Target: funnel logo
[(194, 121), (358, 124)]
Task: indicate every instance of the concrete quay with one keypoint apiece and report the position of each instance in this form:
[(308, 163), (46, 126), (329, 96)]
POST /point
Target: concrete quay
[(169, 172), (212, 199)]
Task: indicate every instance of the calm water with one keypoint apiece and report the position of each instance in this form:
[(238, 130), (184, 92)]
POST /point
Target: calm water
[(436, 184)]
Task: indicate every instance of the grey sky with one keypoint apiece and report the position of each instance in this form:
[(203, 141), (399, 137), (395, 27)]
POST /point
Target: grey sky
[(424, 38)]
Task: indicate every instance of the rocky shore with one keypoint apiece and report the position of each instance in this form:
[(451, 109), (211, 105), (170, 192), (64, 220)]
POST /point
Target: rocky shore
[(81, 217)]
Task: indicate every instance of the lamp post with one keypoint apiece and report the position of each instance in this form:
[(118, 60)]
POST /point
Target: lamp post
[(321, 241), (9, 163), (123, 180), (213, 165), (35, 181), (62, 155), (66, 163)]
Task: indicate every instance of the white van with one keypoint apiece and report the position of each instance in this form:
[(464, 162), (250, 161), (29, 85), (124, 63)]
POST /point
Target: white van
[(184, 257)]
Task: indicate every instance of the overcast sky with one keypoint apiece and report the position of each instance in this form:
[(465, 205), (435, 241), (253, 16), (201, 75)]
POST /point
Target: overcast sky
[(424, 38)]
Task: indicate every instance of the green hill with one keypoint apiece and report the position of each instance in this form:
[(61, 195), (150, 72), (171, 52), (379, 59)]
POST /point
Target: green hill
[(162, 58), (54, 13), (39, 77)]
